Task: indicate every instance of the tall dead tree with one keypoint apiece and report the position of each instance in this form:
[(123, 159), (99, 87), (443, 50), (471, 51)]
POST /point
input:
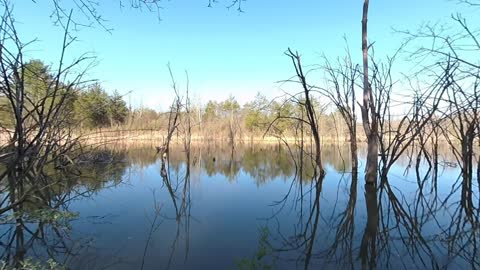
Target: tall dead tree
[(173, 122), (369, 118), (307, 104), (185, 126)]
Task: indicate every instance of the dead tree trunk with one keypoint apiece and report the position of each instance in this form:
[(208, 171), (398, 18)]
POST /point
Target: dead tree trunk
[(478, 157), (353, 137), (435, 151), (369, 118), (309, 108), (173, 123)]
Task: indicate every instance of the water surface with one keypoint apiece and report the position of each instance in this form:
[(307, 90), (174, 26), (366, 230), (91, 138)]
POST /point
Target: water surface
[(253, 207)]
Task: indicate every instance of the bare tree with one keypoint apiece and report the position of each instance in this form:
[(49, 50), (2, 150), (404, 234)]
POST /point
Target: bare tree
[(378, 121), (397, 133), (450, 53), (187, 125), (368, 107), (463, 116), (42, 133), (340, 90), (173, 120), (306, 103)]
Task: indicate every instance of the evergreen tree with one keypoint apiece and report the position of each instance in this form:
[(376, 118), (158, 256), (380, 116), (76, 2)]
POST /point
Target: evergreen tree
[(91, 108), (117, 109)]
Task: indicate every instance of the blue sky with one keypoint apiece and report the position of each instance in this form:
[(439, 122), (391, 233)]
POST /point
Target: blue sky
[(224, 52)]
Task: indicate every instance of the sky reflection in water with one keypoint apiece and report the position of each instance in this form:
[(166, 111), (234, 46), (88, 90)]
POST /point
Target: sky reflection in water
[(216, 219)]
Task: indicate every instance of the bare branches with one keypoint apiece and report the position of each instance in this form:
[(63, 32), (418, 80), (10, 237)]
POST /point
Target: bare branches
[(398, 133), (236, 3), (173, 119), (308, 107), (341, 83), (473, 3), (41, 115), (90, 15), (451, 59), (457, 41)]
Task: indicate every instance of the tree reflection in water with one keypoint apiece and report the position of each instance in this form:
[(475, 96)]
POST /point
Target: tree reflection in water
[(403, 225), (409, 221), (37, 233)]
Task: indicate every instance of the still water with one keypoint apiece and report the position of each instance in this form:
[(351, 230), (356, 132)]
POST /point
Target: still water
[(254, 207)]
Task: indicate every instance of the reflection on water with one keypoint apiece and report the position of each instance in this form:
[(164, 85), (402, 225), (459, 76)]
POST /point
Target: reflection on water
[(249, 208)]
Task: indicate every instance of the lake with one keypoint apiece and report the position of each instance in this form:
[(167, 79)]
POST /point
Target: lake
[(252, 207)]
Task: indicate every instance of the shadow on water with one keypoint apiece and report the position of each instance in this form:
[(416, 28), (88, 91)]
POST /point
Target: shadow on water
[(204, 209)]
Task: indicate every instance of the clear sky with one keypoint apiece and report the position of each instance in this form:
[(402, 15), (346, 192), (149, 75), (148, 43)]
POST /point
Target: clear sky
[(224, 52)]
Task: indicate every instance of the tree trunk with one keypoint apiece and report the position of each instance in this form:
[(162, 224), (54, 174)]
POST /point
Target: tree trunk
[(467, 171), (368, 109), (314, 129), (353, 152), (310, 111), (435, 155), (478, 160), (353, 134)]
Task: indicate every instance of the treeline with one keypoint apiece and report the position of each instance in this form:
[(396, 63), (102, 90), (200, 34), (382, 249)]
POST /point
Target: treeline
[(90, 107), (229, 120)]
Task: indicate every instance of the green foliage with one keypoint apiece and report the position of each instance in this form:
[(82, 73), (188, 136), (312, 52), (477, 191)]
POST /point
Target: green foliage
[(260, 260), (282, 109), (226, 109), (117, 109), (256, 117), (51, 215), (30, 264), (44, 215), (230, 105), (41, 94), (150, 118), (6, 115), (253, 120), (37, 80), (210, 110), (41, 90), (91, 107), (95, 108)]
